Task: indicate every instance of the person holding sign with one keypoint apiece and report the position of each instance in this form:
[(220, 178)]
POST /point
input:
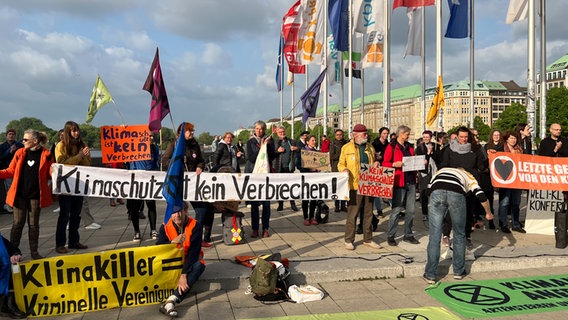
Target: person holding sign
[(186, 233), (73, 151), (356, 152), (447, 192), (404, 190), (309, 206)]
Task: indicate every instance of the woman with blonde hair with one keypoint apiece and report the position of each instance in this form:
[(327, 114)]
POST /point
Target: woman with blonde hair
[(29, 191)]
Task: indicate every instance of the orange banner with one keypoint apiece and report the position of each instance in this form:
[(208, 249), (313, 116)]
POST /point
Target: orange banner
[(125, 143), (523, 171)]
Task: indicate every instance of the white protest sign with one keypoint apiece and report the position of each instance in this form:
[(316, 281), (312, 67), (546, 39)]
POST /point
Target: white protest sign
[(140, 184), (541, 206)]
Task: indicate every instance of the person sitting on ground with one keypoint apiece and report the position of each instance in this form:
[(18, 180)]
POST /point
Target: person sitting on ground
[(9, 255), (186, 232)]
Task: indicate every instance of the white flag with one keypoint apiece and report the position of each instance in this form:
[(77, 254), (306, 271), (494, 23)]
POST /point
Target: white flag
[(311, 37), (414, 44), (373, 50), (333, 62), (368, 16), (518, 10)]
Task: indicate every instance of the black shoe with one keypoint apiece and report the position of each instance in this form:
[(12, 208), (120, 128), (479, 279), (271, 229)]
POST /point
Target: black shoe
[(293, 206), (337, 209), (280, 208), (344, 208), (359, 229), (519, 229), (141, 215), (391, 242), (505, 230), (411, 240), (491, 225), (9, 307)]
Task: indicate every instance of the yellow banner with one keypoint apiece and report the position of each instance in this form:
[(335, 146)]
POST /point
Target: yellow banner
[(97, 281)]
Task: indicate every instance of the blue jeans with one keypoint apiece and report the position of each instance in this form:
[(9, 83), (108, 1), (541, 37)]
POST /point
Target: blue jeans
[(398, 195), (440, 202), (192, 277), (254, 214), (509, 198), (70, 212), (378, 205)]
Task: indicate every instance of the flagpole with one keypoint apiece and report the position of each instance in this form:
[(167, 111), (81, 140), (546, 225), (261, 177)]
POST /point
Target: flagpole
[(439, 54), (306, 127), (282, 65), (386, 66), (325, 53), (350, 60), (362, 82), (543, 87), (423, 62), (292, 108), (531, 67), (471, 64), (119, 114)]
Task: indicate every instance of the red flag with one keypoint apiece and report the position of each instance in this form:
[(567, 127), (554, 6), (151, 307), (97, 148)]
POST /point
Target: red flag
[(290, 28), (412, 3), (159, 108)]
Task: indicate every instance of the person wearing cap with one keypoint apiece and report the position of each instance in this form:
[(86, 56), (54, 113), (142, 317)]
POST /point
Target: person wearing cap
[(186, 233), (7, 151), (194, 162), (404, 185), (356, 152)]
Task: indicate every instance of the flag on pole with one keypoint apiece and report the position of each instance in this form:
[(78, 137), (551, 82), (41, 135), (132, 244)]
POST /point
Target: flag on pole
[(290, 28), (355, 64), (310, 98), (99, 98), (369, 16), (311, 36), (412, 3), (414, 43), (279, 73), (159, 108), (437, 104), (333, 62), (518, 11), (373, 50), (173, 183), (458, 25), (338, 11)]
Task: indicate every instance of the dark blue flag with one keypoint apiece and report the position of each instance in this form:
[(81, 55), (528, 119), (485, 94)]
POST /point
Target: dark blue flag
[(458, 25), (279, 69), (173, 184), (339, 22), (310, 98)]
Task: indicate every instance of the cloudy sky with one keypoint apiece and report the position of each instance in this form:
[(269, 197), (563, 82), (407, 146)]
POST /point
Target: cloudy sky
[(218, 57)]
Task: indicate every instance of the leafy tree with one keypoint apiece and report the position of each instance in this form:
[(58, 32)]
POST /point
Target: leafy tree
[(557, 107), (243, 136), (514, 114), (91, 135), (29, 123), (205, 138), (483, 130)]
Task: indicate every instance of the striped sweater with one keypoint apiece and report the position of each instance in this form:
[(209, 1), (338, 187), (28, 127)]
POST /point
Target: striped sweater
[(456, 180)]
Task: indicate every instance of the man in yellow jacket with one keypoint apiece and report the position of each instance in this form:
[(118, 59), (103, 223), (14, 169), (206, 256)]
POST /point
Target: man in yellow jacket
[(353, 154)]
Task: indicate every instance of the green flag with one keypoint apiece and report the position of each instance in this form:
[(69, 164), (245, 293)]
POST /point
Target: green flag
[(99, 98)]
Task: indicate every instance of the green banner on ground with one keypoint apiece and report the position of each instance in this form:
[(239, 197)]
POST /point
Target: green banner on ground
[(505, 297), (402, 314)]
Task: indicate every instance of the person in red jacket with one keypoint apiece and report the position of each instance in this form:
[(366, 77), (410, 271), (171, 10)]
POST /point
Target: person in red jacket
[(404, 185), (186, 232), (29, 192)]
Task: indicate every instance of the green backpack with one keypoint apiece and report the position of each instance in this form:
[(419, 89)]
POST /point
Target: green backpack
[(263, 278)]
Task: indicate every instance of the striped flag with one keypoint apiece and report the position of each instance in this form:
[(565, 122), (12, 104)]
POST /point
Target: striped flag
[(159, 107), (290, 28)]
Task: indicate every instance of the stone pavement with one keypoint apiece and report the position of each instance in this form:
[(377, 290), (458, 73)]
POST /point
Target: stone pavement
[(317, 256)]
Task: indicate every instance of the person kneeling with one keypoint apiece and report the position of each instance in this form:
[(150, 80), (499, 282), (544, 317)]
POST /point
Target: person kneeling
[(186, 232)]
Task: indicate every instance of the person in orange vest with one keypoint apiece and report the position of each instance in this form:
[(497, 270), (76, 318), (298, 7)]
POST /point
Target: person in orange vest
[(186, 232)]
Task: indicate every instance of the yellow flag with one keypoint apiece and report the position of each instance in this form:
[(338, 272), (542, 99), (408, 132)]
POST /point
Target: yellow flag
[(437, 104), (99, 97)]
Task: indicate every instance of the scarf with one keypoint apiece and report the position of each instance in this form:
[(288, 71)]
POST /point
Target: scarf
[(455, 146)]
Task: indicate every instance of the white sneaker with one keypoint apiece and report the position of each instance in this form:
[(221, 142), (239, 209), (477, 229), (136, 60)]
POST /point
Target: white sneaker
[(349, 246), (372, 244), (93, 226), (56, 210), (8, 208)]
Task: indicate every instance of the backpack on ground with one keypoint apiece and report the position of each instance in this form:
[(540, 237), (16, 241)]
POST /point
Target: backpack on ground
[(268, 282), (233, 228), (322, 212)]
